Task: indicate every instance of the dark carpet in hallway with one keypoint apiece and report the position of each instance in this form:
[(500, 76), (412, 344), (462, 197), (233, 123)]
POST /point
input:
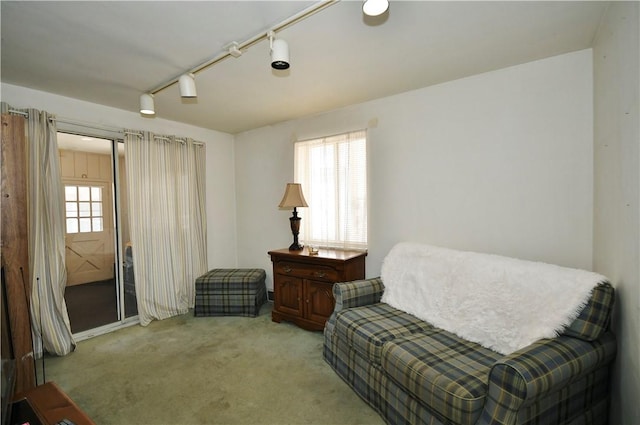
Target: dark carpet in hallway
[(91, 305)]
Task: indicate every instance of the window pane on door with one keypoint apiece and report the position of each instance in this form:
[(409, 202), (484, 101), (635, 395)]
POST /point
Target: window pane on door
[(97, 224), (72, 225), (71, 209), (84, 194), (96, 194), (85, 225), (84, 209), (70, 193)]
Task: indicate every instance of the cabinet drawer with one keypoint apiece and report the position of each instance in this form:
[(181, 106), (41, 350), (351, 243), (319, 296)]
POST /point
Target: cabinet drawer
[(307, 271)]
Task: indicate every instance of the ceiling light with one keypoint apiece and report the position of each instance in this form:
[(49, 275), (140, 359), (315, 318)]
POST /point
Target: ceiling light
[(279, 52), (375, 7), (187, 85), (146, 104)]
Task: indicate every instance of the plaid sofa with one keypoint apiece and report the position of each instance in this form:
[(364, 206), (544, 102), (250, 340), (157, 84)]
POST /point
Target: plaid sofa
[(413, 373)]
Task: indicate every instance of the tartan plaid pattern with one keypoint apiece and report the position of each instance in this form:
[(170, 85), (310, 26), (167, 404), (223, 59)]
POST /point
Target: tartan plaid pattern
[(443, 369), (401, 408), (365, 378), (429, 376), (568, 405), (230, 292), (547, 368), (594, 318), (357, 293), (366, 329), (354, 294)]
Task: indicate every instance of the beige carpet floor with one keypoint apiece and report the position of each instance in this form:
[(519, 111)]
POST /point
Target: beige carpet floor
[(208, 370)]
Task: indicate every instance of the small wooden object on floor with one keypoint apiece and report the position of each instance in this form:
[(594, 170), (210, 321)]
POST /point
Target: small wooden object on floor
[(50, 405), (303, 283)]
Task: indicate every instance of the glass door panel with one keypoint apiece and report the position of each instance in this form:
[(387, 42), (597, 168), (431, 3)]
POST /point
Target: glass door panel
[(91, 179)]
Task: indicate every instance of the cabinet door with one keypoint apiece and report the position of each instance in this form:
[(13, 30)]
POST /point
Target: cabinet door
[(319, 301), (288, 295)]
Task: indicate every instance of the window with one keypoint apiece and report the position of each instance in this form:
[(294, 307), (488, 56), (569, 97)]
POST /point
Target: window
[(83, 209), (333, 174)]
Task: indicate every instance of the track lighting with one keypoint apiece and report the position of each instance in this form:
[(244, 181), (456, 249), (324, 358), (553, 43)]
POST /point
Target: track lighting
[(279, 52), (234, 50), (187, 85), (375, 7), (146, 104)]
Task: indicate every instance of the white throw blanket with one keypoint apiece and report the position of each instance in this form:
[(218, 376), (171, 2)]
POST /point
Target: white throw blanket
[(501, 303)]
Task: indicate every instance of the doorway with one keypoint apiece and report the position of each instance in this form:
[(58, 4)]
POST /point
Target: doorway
[(96, 231)]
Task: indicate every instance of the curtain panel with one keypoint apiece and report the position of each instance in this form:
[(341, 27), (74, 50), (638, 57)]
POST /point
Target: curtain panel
[(166, 182), (50, 326)]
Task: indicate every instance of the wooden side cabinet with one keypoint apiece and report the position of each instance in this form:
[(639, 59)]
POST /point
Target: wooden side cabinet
[(303, 283)]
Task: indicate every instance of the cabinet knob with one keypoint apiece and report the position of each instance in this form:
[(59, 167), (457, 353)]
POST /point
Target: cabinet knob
[(319, 274), (287, 269)]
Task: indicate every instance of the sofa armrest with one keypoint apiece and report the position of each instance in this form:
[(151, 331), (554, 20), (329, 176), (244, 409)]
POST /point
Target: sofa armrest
[(544, 367), (357, 293)]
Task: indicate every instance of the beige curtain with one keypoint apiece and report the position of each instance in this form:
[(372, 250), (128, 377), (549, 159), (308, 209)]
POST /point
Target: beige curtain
[(166, 181), (50, 321)]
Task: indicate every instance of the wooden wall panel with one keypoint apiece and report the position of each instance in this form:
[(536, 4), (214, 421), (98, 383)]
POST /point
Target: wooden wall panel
[(85, 165), (67, 167), (15, 244)]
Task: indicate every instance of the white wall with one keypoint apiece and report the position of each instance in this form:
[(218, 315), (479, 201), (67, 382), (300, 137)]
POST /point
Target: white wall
[(220, 190), (617, 193), (500, 162)]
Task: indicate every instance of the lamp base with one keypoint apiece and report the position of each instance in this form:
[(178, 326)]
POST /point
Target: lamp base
[(296, 247), (295, 228)]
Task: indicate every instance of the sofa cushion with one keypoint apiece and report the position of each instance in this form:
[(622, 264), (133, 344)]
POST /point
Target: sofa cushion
[(594, 318), (447, 374), (367, 328)]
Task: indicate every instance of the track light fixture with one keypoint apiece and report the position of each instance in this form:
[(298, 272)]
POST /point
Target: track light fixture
[(375, 7), (279, 52), (146, 104), (187, 85)]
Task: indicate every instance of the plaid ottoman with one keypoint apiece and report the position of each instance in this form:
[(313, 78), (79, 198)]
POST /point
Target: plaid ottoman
[(230, 292)]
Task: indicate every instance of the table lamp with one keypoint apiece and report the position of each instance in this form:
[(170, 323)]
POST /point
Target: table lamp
[(293, 198)]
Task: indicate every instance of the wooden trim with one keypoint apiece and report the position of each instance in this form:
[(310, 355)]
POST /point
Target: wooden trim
[(52, 405), (15, 245)]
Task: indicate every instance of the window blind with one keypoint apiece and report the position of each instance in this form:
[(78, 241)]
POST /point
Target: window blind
[(333, 173)]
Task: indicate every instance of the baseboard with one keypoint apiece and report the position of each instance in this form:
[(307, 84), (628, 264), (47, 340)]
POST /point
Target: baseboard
[(270, 295)]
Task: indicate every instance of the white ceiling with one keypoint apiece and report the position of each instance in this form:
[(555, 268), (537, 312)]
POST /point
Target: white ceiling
[(111, 52)]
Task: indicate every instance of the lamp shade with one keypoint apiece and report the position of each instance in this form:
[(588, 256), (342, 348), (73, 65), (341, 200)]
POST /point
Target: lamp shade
[(293, 197)]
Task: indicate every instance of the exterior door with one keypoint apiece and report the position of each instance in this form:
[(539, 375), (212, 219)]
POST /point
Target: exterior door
[(89, 241)]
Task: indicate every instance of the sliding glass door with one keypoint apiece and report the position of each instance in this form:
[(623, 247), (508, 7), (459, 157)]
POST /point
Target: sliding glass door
[(98, 260)]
